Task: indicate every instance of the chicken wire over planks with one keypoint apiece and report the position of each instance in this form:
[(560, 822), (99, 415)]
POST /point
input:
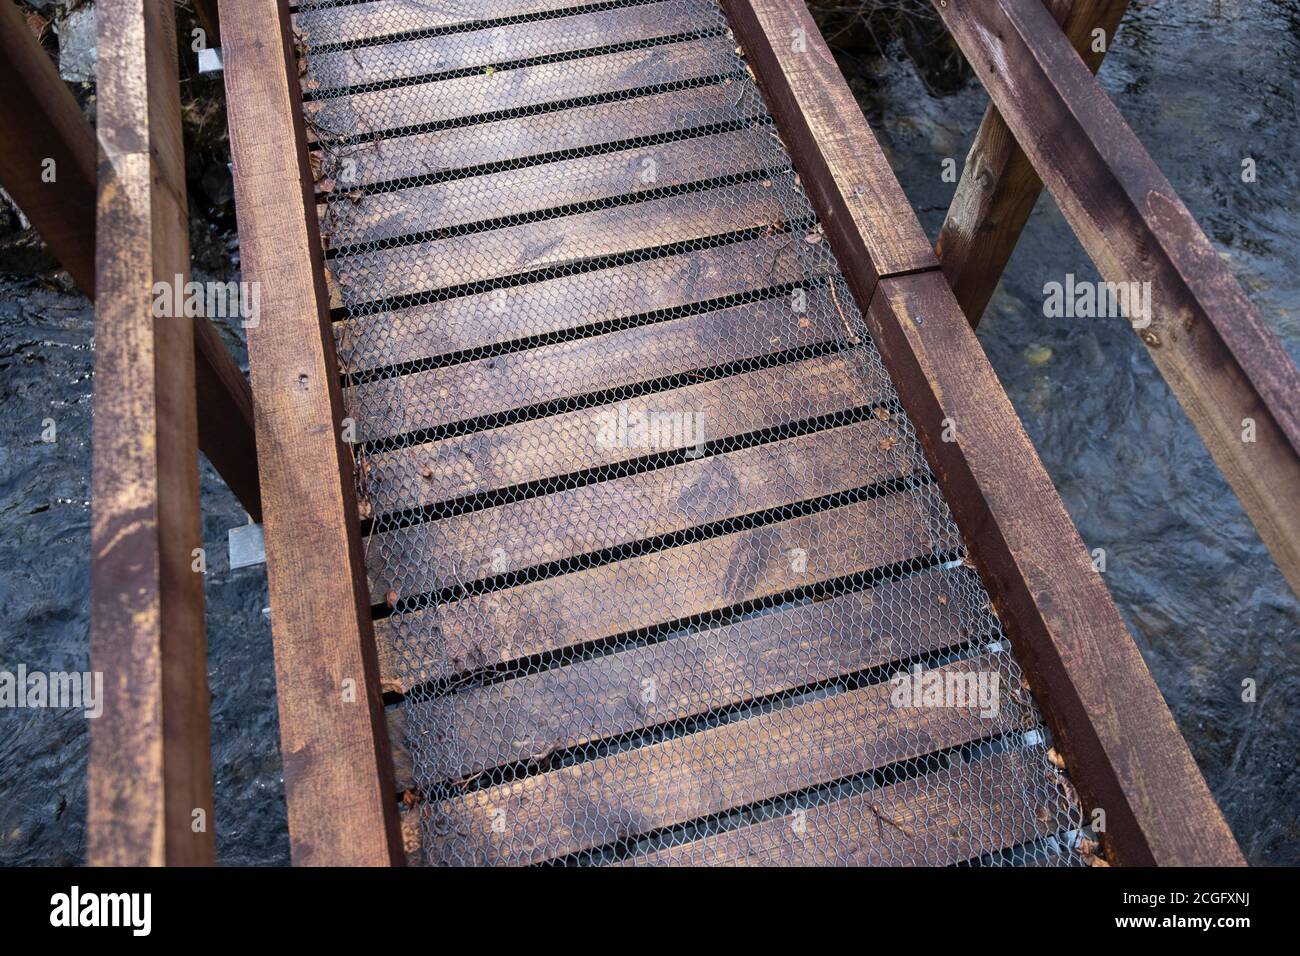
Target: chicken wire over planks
[(660, 572)]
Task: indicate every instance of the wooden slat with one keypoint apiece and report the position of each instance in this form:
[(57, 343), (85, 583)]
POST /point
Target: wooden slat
[(840, 162), (639, 287), (445, 53), (495, 253), (463, 97), (337, 769), (521, 192), (998, 186), (1120, 743), (603, 801), (567, 443), (938, 819), (581, 702), (540, 134), (709, 575), (578, 521), (378, 18), (518, 380), (1221, 360), (41, 121), (150, 773)]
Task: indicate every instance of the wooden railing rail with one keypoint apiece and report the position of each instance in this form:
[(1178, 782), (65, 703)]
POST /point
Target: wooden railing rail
[(1227, 369), (150, 778)]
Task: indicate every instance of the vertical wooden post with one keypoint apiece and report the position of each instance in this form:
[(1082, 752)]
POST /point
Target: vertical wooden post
[(40, 125), (998, 186), (150, 789), (1120, 742)]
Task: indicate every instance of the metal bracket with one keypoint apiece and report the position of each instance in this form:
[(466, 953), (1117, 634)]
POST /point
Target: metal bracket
[(210, 60), (247, 546)]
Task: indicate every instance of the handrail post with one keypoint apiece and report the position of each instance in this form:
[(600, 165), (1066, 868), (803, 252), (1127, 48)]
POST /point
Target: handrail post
[(998, 186)]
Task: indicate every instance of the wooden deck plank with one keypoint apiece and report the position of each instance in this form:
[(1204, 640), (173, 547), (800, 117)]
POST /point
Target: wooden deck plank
[(379, 18), (585, 701), (567, 443), (949, 816), (518, 380), (337, 770), (603, 801), (578, 521), (150, 772), (519, 137), (520, 192), (1108, 718), (709, 575), (639, 288), (490, 255), (445, 53), (463, 98)]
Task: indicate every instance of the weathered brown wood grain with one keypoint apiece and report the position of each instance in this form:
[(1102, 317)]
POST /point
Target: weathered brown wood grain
[(684, 778), (337, 768), (1121, 745), (150, 776), (1125, 753), (841, 165), (1221, 361), (998, 186), (40, 121), (719, 667)]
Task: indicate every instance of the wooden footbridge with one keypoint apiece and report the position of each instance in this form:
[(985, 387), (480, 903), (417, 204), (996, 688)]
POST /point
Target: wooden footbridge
[(634, 486)]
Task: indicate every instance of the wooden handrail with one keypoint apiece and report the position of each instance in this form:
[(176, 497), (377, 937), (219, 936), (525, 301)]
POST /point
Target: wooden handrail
[(40, 122), (150, 777), (998, 186), (1117, 736), (1234, 380)]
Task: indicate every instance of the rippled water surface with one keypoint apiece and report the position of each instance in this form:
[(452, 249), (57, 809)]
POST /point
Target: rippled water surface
[(1204, 83)]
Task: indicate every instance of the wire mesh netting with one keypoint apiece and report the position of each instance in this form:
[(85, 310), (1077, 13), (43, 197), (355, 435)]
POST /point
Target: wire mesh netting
[(660, 572)]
